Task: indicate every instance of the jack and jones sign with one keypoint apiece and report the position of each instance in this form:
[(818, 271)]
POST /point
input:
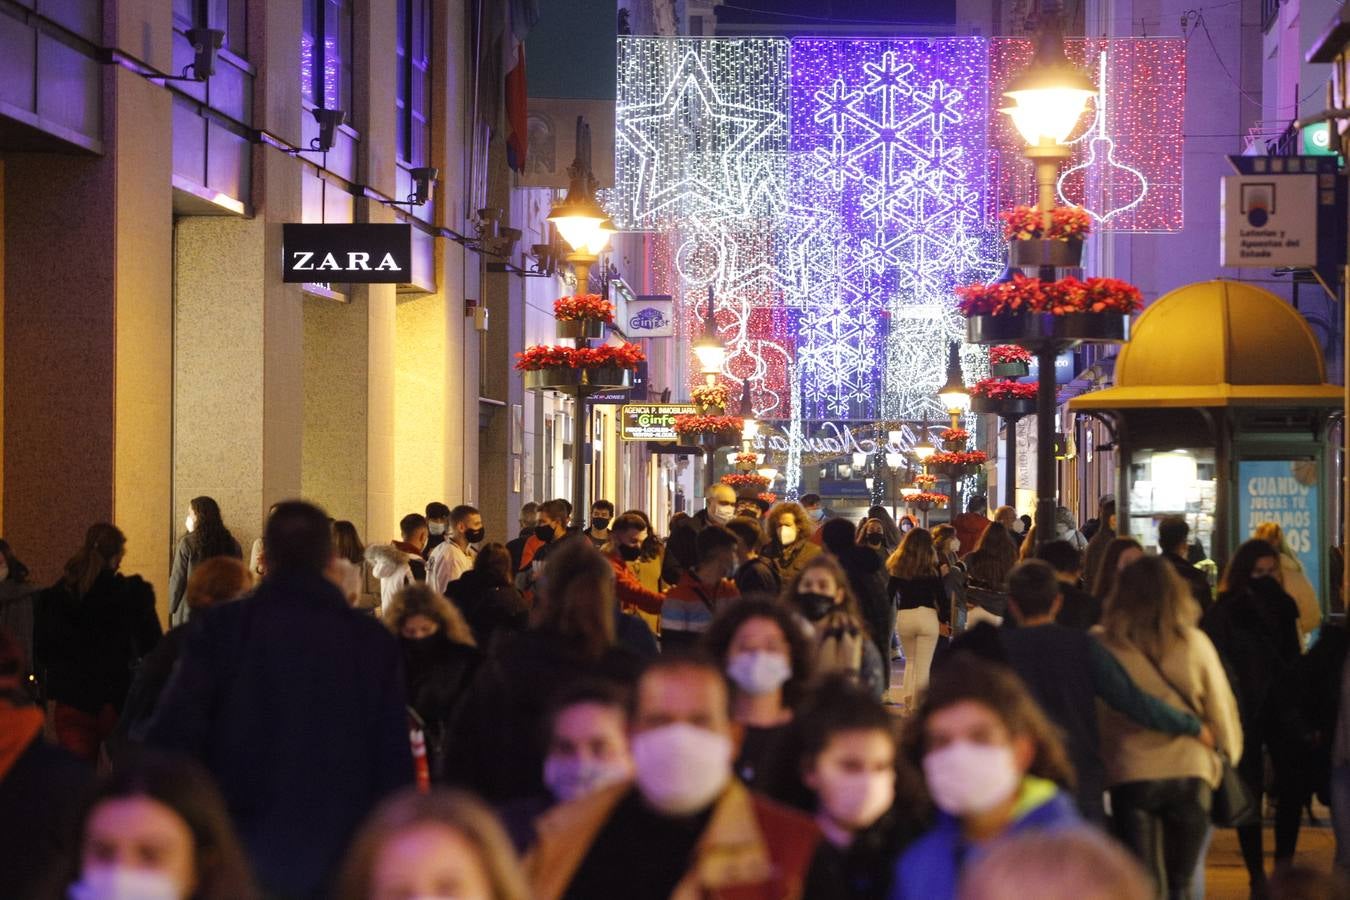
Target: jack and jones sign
[(341, 254)]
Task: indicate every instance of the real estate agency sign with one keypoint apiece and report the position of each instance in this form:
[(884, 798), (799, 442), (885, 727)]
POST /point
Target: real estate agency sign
[(343, 254)]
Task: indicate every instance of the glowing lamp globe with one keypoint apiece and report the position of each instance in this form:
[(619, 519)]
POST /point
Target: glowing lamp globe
[(769, 472), (924, 448), (1048, 97), (894, 460), (908, 491), (581, 220), (954, 396)]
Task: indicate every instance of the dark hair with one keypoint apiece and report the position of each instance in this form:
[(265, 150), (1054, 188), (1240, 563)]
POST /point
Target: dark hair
[(1172, 530), (993, 557), (461, 513), (763, 505), (1106, 575), (185, 787), (298, 538), (888, 526), (809, 499), (836, 705), (1032, 585), (801, 652), (528, 508), (18, 572), (682, 545), (830, 564), (598, 691), (411, 524), (1106, 508), (628, 522), (748, 531), (210, 537), (712, 539), (494, 560), (102, 542), (838, 535), (1238, 575), (347, 542), (437, 510), (966, 678), (676, 519), (1062, 556), (605, 505), (557, 510), (978, 503), (651, 547), (575, 599)]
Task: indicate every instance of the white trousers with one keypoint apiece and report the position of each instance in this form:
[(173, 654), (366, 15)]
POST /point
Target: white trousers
[(918, 631)]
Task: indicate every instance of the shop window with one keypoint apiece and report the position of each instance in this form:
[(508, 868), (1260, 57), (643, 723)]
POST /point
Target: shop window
[(326, 54), (414, 81), (229, 16), (1173, 483)]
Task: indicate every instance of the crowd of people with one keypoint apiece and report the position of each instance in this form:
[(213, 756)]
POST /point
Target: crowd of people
[(593, 710)]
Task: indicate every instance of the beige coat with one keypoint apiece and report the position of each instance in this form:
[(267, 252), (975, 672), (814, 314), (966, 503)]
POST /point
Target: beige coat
[(1297, 585), (1133, 753)]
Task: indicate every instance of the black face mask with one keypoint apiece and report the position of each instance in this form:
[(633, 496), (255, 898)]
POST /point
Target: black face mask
[(629, 553), (544, 532), (814, 606), (599, 524), (420, 652), (475, 535), (873, 539), (1267, 585)]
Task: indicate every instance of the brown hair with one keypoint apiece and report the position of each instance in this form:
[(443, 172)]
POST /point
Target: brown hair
[(576, 598), (966, 678), (801, 652), (1078, 863), (456, 810), (347, 543), (219, 579), (1238, 575), (1106, 575), (916, 557), (494, 560), (993, 557), (1149, 607), (1029, 541), (421, 599), (799, 518), (102, 542), (829, 563)]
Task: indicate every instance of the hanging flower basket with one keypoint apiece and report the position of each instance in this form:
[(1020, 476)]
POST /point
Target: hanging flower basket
[(586, 329), (1025, 223), (956, 465), (1038, 329), (569, 379), (747, 462), (708, 432), (925, 501), (1005, 407), (710, 399), (1038, 252), (753, 483), (1009, 370), (584, 306), (1009, 361)]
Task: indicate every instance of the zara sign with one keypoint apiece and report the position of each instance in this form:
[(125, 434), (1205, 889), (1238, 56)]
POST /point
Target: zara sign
[(341, 254)]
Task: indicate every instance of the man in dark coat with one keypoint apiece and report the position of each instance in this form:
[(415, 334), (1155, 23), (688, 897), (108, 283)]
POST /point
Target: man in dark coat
[(296, 704), (1174, 544), (1078, 609)]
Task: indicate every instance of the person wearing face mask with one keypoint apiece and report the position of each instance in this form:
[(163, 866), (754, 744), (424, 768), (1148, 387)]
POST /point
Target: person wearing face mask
[(994, 767), (768, 661), (754, 575), (158, 829), (549, 529), (821, 596), (719, 507), (864, 568), (689, 606), (1254, 626), (445, 844), (623, 549), (686, 826), (438, 527), (790, 548), (206, 536), (920, 597), (400, 562), (439, 659), (817, 513), (867, 806), (953, 570), (602, 515), (529, 515), (487, 598), (649, 565), (454, 556)]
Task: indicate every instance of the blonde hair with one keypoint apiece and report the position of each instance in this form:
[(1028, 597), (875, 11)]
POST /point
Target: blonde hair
[(1272, 534), (1063, 864), (456, 810), (423, 600), (1149, 607)]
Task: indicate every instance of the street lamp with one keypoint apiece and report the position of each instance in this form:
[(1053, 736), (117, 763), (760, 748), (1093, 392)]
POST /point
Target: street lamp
[(954, 396), (1048, 99), (924, 448), (749, 425), (580, 218), (709, 350), (770, 473)]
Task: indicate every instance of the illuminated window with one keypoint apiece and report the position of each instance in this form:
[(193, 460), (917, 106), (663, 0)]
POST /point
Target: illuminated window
[(414, 81), (326, 54)]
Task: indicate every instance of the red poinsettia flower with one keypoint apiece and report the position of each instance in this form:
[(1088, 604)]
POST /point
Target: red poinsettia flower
[(966, 458), (1025, 223), (583, 306), (1000, 389), (694, 424), (926, 497), (1063, 297), (740, 481), (1008, 353), (623, 356)]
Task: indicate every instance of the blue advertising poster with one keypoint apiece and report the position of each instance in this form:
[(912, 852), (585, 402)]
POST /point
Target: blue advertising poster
[(1284, 491)]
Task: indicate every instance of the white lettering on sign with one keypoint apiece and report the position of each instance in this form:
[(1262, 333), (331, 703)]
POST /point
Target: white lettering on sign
[(303, 261), (837, 439)]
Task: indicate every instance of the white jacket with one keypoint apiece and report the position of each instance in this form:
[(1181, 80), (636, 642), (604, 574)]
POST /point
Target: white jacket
[(448, 563), (391, 566)]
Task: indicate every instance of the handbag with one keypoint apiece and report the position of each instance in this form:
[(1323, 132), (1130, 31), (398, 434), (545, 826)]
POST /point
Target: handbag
[(1232, 804)]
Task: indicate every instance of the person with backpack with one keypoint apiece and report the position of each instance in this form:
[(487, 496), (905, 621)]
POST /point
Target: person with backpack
[(820, 594)]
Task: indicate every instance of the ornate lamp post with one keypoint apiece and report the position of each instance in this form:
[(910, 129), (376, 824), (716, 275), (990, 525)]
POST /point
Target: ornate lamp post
[(954, 396)]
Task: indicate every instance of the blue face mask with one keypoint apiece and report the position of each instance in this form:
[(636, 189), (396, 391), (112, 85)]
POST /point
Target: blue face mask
[(818, 513)]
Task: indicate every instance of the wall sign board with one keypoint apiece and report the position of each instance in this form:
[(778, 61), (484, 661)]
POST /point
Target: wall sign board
[(361, 253)]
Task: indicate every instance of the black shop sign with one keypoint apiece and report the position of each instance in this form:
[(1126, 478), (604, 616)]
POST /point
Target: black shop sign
[(365, 254)]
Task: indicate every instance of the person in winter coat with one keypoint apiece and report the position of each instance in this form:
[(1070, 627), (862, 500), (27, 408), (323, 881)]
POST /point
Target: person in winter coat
[(970, 525), (1100, 539), (994, 768), (439, 659), (296, 703), (399, 563), (93, 627), (888, 527), (987, 568), (917, 591), (866, 572), (489, 601), (206, 537), (1173, 545), (790, 547), (1066, 529), (1324, 709), (754, 575), (820, 594), (689, 607), (1293, 580), (1254, 626), (496, 747)]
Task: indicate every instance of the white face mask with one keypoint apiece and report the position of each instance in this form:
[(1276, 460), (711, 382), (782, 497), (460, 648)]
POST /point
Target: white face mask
[(965, 778), (855, 800), (681, 768), (108, 882), (569, 778), (1018, 526), (953, 545), (787, 534), (190, 522), (721, 513), (436, 527), (759, 671)]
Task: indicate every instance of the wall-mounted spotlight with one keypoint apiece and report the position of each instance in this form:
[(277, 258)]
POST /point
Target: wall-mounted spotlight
[(329, 120), (423, 178), (206, 42)]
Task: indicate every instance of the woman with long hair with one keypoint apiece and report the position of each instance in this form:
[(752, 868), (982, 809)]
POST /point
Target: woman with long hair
[(1119, 553), (1254, 625), (917, 591), (446, 843), (790, 546), (987, 568), (93, 628), (158, 827), (888, 526), (820, 594), (994, 767), (206, 537), (1291, 577), (1161, 785), (487, 596)]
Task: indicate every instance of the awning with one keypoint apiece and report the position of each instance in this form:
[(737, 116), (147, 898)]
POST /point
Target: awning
[(1324, 396)]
